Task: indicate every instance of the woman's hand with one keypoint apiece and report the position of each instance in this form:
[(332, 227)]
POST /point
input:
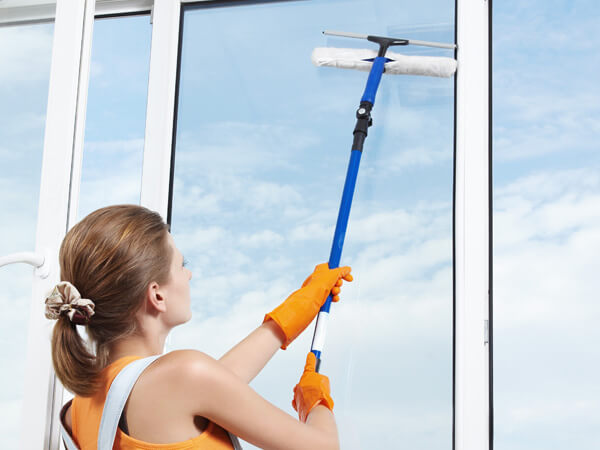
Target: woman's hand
[(312, 390), (301, 307), (322, 271)]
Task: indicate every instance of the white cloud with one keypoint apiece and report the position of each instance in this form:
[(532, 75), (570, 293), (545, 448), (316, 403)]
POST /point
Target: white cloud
[(547, 237), (196, 198), (240, 148), (111, 174), (25, 53), (271, 196), (117, 147), (417, 156), (548, 248), (313, 227), (547, 242), (573, 129), (23, 130), (262, 238), (547, 205), (203, 238)]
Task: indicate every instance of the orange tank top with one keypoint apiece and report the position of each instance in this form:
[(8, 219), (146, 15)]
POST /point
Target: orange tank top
[(86, 413)]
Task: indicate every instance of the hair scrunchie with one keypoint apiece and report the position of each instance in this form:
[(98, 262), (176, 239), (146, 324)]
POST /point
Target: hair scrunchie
[(65, 298)]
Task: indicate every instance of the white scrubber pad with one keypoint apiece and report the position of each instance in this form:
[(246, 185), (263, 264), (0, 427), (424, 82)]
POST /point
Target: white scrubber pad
[(352, 58)]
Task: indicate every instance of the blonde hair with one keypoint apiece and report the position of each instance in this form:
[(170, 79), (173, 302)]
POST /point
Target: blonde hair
[(111, 257)]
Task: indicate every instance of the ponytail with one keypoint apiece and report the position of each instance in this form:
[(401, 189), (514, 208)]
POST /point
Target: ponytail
[(74, 362)]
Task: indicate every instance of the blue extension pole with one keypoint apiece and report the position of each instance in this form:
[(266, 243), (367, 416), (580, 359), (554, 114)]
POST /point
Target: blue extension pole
[(363, 122)]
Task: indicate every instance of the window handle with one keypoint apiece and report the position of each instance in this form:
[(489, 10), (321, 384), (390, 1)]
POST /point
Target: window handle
[(37, 260)]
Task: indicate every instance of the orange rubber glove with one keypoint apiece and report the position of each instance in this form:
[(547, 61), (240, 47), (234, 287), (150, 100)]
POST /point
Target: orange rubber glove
[(301, 307), (312, 390)]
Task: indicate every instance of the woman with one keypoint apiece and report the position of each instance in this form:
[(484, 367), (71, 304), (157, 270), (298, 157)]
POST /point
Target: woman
[(126, 281)]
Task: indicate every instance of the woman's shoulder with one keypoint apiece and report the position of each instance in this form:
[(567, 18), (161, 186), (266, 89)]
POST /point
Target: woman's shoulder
[(178, 366), (172, 381), (183, 377), (181, 361)]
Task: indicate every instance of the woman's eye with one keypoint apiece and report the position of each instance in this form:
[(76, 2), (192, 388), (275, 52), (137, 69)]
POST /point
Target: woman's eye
[(185, 262)]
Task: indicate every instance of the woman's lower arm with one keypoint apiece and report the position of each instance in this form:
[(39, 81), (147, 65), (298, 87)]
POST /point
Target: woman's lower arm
[(322, 418), (249, 356)]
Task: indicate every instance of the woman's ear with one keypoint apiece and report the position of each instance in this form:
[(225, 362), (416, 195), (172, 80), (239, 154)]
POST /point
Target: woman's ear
[(155, 298)]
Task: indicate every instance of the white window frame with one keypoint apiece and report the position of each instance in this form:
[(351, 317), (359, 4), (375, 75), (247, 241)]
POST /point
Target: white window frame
[(473, 418), (59, 189), (61, 172)]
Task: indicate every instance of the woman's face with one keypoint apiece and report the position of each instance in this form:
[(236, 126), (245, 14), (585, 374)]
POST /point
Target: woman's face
[(177, 290)]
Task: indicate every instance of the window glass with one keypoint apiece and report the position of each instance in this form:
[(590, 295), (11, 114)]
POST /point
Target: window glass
[(116, 113), (262, 146), (546, 225), (25, 55)]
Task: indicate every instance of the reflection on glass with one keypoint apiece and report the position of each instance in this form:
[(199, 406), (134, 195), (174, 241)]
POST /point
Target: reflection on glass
[(263, 142), (116, 113), (25, 55), (546, 226)]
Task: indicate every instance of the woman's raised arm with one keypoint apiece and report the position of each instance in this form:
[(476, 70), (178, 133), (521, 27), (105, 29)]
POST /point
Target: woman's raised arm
[(282, 325), (251, 355), (206, 388)]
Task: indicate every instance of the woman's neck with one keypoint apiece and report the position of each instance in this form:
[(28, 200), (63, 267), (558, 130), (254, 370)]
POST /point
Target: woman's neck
[(137, 346)]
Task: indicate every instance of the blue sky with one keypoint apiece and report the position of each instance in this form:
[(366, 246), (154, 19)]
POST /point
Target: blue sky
[(262, 147)]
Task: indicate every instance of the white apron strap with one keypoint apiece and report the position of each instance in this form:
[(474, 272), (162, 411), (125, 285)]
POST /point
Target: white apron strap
[(117, 397)]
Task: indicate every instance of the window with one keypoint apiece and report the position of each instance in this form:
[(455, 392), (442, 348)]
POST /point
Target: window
[(262, 144)]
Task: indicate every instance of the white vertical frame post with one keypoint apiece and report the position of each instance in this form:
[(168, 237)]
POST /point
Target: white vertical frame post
[(160, 112), (63, 144), (471, 227)]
